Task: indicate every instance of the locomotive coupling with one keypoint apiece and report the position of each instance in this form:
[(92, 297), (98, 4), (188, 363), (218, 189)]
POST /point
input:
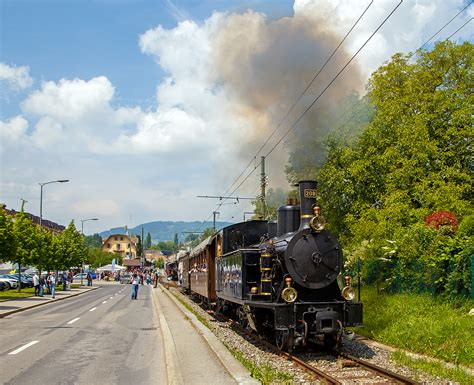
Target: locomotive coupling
[(348, 292), (289, 294)]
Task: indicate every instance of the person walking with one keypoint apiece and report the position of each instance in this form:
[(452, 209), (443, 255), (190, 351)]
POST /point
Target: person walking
[(69, 280), (89, 279), (36, 284), (52, 284), (42, 284), (64, 280), (157, 277), (135, 283)]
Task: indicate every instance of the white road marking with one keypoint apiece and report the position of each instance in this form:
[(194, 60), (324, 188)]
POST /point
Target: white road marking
[(93, 309), (73, 320), (24, 347), (111, 297), (104, 301)]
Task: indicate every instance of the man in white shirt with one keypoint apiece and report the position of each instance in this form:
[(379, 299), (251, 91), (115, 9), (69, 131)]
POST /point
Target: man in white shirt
[(36, 284)]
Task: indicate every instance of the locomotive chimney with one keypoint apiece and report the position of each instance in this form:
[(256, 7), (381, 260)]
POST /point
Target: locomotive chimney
[(307, 201)]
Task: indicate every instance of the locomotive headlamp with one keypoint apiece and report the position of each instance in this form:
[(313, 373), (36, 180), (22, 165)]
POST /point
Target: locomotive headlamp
[(317, 222), (289, 294), (348, 292)]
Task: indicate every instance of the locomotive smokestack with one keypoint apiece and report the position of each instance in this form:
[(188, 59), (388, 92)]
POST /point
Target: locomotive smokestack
[(307, 201)]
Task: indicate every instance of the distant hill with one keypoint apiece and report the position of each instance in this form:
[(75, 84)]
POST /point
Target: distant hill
[(164, 230)]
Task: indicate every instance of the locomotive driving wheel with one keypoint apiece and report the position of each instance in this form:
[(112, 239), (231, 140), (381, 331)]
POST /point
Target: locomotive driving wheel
[(284, 340), (242, 317)]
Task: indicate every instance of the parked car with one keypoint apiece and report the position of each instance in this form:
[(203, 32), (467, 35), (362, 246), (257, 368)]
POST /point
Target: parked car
[(11, 283), (4, 286), (125, 278), (24, 282), (78, 276)]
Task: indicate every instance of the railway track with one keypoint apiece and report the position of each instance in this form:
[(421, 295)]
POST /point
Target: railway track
[(333, 367)]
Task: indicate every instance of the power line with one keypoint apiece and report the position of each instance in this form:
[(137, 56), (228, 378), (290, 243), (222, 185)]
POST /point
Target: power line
[(461, 27), (444, 26), (322, 92), (301, 95)]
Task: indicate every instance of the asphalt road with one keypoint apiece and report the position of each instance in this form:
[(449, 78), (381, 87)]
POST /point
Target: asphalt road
[(100, 337)]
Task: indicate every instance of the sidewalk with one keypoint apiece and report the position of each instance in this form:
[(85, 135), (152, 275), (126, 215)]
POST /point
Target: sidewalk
[(193, 354), (16, 305)]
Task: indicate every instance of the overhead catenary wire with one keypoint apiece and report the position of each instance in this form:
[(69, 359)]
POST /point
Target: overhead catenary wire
[(444, 26), (300, 96), (320, 94), (461, 27)]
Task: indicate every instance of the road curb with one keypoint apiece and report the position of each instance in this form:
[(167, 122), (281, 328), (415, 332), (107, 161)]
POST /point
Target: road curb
[(233, 366), (173, 373), (3, 315)]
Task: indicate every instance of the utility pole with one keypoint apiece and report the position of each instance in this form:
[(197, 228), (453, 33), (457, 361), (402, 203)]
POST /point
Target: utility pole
[(143, 249), (263, 183), (214, 213), (23, 201)]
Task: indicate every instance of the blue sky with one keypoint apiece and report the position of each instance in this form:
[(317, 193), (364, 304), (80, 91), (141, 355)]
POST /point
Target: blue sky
[(83, 38), (145, 104)]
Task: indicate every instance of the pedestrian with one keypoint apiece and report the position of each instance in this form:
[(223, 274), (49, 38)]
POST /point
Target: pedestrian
[(36, 284), (69, 279), (52, 284), (48, 283), (135, 283), (157, 277), (89, 279), (42, 284), (64, 280)]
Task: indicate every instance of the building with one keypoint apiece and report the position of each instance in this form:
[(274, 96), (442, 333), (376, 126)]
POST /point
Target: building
[(122, 245), (51, 226), (153, 255)]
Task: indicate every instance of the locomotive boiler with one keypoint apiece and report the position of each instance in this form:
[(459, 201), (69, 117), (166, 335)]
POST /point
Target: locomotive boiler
[(281, 282)]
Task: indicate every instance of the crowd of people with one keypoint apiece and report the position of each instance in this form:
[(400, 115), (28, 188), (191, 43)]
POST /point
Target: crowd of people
[(47, 283)]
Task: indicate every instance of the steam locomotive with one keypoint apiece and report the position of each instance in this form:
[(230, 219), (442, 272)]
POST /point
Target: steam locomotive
[(279, 279)]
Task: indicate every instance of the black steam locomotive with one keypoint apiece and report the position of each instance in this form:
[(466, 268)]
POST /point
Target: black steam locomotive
[(279, 278)]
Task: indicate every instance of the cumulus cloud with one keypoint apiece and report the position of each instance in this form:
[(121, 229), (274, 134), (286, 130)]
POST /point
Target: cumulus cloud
[(16, 78), (13, 129), (228, 81)]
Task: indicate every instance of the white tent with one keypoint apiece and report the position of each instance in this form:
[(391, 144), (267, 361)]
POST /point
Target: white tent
[(109, 268)]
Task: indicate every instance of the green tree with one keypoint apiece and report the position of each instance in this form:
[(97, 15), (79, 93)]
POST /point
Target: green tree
[(28, 241), (148, 241), (94, 240), (71, 248), (139, 246), (413, 158), (8, 241)]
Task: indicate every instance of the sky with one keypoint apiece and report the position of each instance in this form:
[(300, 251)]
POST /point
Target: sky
[(145, 104)]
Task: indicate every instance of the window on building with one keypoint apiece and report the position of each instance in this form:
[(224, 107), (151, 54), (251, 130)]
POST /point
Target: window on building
[(121, 238), (118, 246), (108, 245), (115, 238)]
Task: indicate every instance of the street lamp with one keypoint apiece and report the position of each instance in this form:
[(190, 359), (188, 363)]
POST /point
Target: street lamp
[(41, 210), (82, 232)]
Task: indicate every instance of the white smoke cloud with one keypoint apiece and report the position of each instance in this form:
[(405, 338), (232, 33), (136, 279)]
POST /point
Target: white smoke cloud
[(16, 78), (215, 106)]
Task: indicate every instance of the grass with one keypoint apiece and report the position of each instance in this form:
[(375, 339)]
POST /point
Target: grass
[(434, 368), (13, 294), (266, 374), (419, 323)]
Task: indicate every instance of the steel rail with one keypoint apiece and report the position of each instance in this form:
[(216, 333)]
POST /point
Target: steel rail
[(377, 369)]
